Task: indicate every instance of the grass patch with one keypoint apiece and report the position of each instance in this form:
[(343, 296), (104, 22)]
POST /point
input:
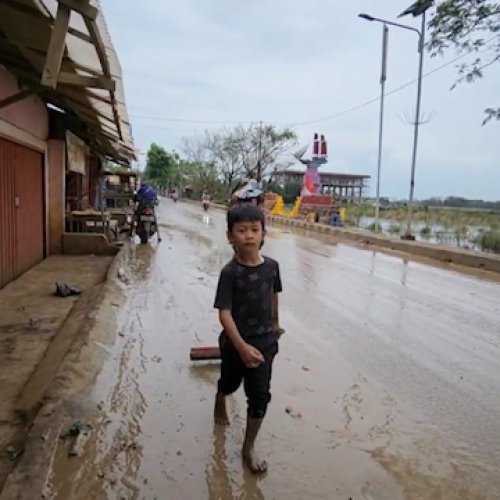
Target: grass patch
[(490, 240), (426, 232), (448, 218), (374, 227), (394, 229)]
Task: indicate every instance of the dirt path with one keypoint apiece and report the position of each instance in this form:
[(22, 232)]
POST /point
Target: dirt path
[(390, 369), (33, 340)]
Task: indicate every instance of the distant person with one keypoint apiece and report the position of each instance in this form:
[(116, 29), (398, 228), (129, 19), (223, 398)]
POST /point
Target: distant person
[(247, 300), (336, 219), (249, 193), (205, 200)]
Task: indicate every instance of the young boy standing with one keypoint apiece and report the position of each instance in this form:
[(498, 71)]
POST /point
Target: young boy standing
[(247, 301)]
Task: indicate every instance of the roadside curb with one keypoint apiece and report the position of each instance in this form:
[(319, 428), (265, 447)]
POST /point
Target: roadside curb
[(45, 413), (28, 479), (436, 252)]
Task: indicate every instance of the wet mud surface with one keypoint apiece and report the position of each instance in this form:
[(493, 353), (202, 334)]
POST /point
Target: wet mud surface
[(386, 386)]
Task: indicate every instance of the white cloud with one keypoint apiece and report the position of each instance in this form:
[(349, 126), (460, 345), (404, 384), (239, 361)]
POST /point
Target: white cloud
[(287, 61)]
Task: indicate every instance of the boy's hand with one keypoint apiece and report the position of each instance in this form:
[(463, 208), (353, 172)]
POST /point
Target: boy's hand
[(251, 356), (279, 331)]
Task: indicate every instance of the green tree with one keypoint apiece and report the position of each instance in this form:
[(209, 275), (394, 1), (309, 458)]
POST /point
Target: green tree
[(220, 160), (289, 191), (199, 170), (228, 159), (469, 26), (264, 149), (161, 166)]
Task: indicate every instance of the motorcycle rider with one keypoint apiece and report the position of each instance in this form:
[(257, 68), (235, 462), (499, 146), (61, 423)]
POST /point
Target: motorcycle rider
[(146, 197), (205, 200), (251, 192)]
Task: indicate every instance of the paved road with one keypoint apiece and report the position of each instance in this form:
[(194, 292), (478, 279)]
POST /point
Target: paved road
[(391, 369)]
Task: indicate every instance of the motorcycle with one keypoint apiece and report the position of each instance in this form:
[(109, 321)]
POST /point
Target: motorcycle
[(206, 206), (146, 223)]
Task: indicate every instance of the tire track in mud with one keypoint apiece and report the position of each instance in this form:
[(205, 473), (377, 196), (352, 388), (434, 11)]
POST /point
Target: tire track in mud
[(122, 453), (368, 398)]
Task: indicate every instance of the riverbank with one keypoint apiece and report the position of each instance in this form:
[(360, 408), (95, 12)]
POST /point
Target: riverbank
[(489, 262)]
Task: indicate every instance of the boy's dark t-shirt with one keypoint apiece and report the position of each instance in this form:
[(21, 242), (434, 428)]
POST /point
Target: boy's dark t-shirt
[(247, 292)]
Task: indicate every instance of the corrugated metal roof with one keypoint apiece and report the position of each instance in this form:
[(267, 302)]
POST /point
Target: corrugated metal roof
[(26, 27)]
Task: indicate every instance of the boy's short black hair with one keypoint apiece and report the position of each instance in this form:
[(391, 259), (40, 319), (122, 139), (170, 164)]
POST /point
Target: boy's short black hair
[(244, 212)]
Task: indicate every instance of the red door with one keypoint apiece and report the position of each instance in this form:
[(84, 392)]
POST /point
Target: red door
[(29, 209), (21, 210), (7, 213)]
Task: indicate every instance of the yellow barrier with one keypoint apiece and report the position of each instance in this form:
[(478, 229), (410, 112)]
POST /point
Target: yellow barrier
[(279, 207)]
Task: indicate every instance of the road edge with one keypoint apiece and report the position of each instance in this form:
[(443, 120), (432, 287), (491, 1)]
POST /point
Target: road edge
[(30, 476), (440, 253)]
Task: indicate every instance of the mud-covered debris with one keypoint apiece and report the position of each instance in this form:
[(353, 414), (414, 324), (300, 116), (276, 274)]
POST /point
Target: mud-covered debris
[(12, 452), (179, 453), (122, 276), (292, 413), (65, 290), (78, 445), (74, 430), (77, 427), (35, 322), (306, 369)]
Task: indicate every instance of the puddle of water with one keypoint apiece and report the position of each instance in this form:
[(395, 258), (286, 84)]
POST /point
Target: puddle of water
[(368, 367)]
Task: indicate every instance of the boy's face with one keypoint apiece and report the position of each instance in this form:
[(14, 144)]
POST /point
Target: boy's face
[(246, 237)]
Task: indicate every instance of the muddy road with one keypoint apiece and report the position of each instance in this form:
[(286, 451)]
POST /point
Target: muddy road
[(391, 370)]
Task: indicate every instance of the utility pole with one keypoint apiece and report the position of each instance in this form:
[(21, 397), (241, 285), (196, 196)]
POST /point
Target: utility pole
[(421, 45), (259, 165), (383, 77), (417, 9)]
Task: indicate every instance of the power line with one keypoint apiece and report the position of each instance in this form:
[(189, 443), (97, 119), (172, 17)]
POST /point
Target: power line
[(317, 120), (188, 120), (393, 91)]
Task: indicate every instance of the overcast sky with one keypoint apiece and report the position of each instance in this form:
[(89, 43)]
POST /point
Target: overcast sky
[(290, 61)]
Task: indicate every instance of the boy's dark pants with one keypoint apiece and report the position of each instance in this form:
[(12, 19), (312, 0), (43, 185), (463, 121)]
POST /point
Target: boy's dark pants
[(257, 381)]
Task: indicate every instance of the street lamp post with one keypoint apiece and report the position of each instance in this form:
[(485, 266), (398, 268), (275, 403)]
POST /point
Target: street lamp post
[(420, 34), (421, 40), (383, 77)]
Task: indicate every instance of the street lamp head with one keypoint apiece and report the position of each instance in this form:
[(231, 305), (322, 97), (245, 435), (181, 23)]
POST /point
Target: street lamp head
[(417, 8), (367, 17)]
